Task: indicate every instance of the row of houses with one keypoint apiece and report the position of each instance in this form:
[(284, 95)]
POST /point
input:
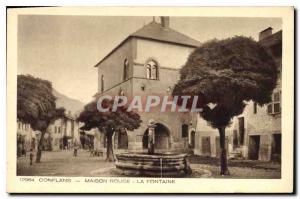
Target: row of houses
[(148, 62), (63, 133)]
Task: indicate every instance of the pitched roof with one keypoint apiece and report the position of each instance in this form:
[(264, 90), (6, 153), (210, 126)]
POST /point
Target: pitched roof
[(155, 31)]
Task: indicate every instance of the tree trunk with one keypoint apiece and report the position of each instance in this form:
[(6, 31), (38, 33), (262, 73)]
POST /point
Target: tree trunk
[(109, 148), (223, 153), (40, 147)]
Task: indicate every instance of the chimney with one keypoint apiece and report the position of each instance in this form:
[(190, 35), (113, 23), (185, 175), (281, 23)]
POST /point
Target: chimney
[(165, 22), (265, 33)]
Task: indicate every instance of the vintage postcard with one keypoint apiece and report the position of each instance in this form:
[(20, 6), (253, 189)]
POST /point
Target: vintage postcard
[(150, 100)]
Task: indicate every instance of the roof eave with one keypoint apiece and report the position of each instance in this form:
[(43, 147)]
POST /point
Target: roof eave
[(147, 38), (113, 50), (171, 42)]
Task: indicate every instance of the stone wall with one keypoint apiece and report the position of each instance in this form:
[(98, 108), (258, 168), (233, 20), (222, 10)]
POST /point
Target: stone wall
[(112, 66), (63, 127), (165, 54), (57, 134)]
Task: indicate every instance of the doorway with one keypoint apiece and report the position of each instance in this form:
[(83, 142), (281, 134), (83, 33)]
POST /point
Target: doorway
[(206, 147), (241, 130), (254, 142), (193, 134), (276, 147)]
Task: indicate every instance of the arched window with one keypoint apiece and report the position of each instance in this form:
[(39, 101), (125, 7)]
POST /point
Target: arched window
[(125, 70), (152, 70), (102, 83), (148, 70), (121, 92)]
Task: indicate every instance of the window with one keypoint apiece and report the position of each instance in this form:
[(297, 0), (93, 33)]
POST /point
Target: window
[(254, 107), (55, 129), (184, 130), (125, 70), (59, 129), (121, 92), (241, 130), (275, 106), (148, 70), (152, 70), (102, 83)]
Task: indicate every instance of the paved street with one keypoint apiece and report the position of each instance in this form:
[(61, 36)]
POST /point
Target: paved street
[(239, 168), (62, 163)]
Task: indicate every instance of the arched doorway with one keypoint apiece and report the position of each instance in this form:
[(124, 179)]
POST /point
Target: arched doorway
[(145, 139), (162, 137), (121, 139)]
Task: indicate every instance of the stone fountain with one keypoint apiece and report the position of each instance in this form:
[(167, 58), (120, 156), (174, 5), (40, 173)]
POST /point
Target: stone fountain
[(152, 164)]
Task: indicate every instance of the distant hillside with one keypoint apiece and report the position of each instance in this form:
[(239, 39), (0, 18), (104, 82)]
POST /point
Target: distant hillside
[(75, 106)]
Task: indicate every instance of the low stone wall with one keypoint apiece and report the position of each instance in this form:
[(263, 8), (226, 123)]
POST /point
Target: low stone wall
[(157, 165)]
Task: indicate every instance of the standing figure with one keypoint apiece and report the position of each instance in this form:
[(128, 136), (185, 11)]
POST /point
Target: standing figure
[(75, 150), (31, 156)]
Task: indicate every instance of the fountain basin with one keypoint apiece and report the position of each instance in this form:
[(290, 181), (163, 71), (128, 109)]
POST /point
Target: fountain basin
[(156, 165)]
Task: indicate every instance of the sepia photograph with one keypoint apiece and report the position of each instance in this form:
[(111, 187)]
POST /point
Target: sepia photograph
[(150, 99)]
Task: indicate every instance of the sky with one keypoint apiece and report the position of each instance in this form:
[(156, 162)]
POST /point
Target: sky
[(64, 49)]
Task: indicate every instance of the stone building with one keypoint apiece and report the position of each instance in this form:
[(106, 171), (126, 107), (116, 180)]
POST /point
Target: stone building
[(61, 129), (255, 134), (64, 132), (147, 62), (26, 138)]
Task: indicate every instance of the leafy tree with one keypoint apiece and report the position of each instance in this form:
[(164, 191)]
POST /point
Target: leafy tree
[(225, 74), (108, 122), (36, 106)]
